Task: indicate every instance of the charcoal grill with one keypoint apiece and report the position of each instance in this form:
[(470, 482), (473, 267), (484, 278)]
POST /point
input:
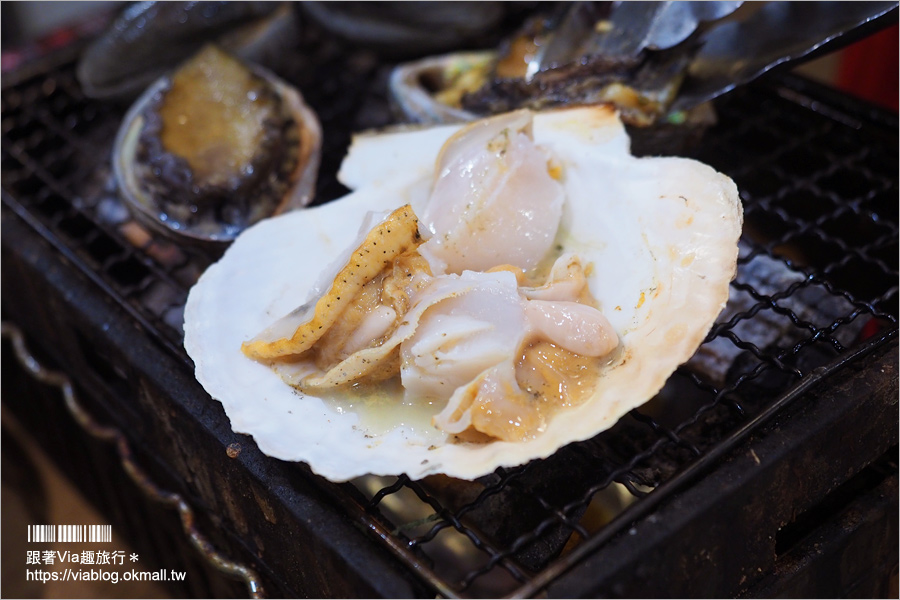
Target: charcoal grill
[(766, 466)]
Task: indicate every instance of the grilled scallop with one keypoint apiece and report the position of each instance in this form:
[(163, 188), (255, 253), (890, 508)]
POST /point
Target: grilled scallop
[(499, 290)]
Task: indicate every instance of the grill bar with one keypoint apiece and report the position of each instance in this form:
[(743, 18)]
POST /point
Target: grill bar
[(91, 274)]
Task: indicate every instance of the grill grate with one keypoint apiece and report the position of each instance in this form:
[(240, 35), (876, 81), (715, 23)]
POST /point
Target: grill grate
[(817, 278)]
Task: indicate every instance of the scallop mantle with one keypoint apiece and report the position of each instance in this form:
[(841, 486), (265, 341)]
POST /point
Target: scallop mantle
[(660, 233)]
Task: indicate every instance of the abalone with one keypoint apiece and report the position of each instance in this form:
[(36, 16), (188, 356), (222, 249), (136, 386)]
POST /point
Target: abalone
[(215, 147)]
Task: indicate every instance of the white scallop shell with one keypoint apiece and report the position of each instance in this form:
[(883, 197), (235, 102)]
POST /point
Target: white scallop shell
[(661, 234)]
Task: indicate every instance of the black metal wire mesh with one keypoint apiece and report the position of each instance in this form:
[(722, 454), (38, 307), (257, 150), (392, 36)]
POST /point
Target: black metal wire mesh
[(817, 276)]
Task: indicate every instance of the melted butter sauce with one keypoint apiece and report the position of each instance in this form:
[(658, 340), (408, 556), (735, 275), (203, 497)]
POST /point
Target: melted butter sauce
[(382, 407)]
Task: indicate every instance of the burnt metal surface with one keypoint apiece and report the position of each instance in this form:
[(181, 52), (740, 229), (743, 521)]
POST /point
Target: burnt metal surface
[(139, 477), (792, 395), (852, 549)]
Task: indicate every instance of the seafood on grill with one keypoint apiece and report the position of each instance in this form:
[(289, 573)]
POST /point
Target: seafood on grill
[(214, 148), (658, 63), (461, 87), (495, 292), (580, 53)]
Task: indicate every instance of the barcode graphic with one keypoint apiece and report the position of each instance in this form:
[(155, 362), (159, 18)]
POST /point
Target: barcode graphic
[(69, 533)]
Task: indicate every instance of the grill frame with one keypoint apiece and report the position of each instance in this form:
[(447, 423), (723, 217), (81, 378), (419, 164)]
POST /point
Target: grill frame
[(106, 307)]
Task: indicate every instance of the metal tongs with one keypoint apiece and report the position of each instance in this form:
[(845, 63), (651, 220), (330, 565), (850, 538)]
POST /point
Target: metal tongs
[(726, 43)]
